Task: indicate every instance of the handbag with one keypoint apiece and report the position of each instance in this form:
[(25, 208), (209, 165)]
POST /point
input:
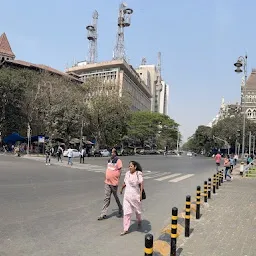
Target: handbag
[(143, 191)]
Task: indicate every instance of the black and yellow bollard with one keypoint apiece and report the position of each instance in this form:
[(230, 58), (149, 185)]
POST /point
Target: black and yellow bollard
[(219, 178), (205, 191), (222, 178), (198, 202), (214, 184), (209, 188), (148, 245), (217, 181), (174, 234), (187, 216)]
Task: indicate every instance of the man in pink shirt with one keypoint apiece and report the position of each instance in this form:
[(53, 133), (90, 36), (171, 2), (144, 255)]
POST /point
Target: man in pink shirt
[(217, 160), (113, 174)]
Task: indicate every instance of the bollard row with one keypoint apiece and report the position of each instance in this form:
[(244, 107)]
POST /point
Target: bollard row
[(209, 187)]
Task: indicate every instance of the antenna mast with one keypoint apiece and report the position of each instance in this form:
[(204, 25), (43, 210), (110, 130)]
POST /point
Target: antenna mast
[(92, 36), (143, 61), (124, 20)]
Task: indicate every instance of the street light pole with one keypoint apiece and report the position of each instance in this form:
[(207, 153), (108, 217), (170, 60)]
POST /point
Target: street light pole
[(242, 62)]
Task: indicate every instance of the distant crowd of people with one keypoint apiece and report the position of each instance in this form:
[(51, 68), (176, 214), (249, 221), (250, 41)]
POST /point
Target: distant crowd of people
[(229, 162)]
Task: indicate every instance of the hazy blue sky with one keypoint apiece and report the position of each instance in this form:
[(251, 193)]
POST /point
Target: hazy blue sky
[(199, 40)]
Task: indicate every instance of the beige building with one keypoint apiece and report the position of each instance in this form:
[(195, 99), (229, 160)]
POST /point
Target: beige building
[(160, 94), (120, 73)]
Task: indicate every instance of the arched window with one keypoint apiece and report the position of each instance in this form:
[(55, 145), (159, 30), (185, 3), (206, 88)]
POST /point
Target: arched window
[(249, 113), (254, 113)]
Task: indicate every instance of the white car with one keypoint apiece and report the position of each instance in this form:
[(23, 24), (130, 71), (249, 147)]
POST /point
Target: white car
[(105, 153), (75, 152), (189, 154)]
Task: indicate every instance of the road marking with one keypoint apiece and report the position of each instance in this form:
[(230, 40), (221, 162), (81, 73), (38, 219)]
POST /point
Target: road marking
[(168, 177), (182, 178), (155, 175)]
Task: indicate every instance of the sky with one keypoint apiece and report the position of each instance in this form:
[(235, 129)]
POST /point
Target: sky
[(199, 40)]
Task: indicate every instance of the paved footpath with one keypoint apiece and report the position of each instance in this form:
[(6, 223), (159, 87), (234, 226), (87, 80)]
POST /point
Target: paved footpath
[(228, 225)]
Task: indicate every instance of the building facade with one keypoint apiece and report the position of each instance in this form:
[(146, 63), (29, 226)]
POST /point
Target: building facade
[(160, 94), (248, 96), (119, 73), (7, 59), (5, 49)]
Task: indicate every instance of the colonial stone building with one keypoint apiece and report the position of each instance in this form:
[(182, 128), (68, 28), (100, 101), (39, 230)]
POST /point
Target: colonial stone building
[(7, 59), (248, 96)]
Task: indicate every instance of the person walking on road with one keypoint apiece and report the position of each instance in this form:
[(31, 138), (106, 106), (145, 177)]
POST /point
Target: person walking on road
[(217, 160), (133, 184), (82, 155), (47, 156), (59, 153), (113, 174), (70, 156), (227, 167)]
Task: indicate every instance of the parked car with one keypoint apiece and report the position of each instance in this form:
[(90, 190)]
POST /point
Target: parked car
[(75, 152)]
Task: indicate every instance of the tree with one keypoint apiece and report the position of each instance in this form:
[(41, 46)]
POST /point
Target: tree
[(146, 126), (201, 141), (107, 113), (228, 129)]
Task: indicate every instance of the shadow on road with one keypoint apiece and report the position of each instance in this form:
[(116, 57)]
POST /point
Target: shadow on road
[(145, 227)]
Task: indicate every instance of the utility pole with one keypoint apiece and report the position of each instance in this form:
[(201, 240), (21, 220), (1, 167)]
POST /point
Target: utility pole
[(178, 142), (250, 142), (253, 145)]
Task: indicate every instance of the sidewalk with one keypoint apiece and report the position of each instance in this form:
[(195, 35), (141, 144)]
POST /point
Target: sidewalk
[(228, 226)]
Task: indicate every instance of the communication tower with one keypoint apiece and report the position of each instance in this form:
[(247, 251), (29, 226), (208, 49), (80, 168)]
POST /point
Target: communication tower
[(124, 20), (92, 36)]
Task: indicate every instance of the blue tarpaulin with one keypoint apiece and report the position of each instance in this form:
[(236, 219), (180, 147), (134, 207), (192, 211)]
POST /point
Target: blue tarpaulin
[(13, 138)]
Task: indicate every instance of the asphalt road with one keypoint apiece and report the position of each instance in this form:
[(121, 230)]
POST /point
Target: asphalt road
[(52, 210)]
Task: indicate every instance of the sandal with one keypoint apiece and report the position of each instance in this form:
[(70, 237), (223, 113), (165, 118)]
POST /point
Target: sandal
[(124, 233)]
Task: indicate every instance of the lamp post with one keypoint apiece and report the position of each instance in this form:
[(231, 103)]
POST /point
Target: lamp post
[(242, 63)]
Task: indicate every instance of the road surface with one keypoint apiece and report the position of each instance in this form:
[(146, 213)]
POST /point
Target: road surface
[(53, 210)]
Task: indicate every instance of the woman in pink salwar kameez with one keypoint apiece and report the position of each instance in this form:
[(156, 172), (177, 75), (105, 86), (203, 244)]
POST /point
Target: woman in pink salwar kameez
[(133, 184)]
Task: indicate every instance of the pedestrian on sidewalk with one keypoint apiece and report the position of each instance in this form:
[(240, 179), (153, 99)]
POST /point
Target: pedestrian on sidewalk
[(133, 184), (217, 160), (235, 159), (113, 174), (227, 167), (82, 155), (48, 156), (232, 162), (70, 156)]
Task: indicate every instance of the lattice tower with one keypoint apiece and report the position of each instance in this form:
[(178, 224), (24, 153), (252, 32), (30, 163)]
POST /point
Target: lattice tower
[(92, 36), (124, 20)]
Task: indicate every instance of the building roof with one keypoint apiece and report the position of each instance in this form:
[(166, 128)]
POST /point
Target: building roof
[(84, 67), (5, 47), (251, 82), (51, 70)]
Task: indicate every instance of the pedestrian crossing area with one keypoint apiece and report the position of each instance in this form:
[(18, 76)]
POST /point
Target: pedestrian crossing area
[(147, 174)]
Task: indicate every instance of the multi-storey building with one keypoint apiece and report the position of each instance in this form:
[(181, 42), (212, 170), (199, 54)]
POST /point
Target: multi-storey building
[(120, 74), (160, 95)]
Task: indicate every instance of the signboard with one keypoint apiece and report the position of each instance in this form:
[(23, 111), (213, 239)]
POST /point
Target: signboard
[(41, 139)]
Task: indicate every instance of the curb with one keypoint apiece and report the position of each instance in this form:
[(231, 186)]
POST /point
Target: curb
[(162, 246)]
